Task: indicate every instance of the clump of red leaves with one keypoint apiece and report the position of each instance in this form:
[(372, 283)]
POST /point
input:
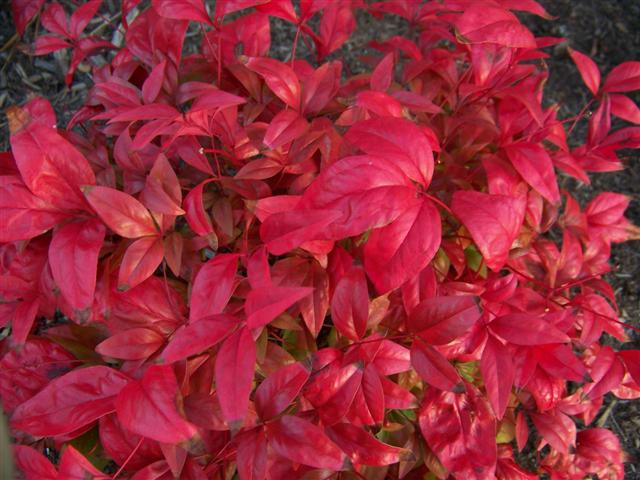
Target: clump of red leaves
[(272, 269)]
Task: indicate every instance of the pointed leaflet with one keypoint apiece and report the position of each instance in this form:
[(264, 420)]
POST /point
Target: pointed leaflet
[(279, 389), (625, 108), (193, 10), (382, 75), (285, 127), (51, 167), (133, 344), (399, 141), (498, 374), (534, 165), (370, 192), (526, 329), (198, 336), (557, 429), (234, 369), (631, 359), (151, 407), (399, 251), (33, 464), (265, 304), (434, 368), (23, 11), (140, 261), (162, 192), (73, 258), (588, 70), (441, 320), (70, 402), (485, 24), (24, 216), (623, 78), (213, 286), (363, 448), (336, 26), (303, 442), (279, 77), (252, 455), (460, 430), (122, 213), (494, 222), (350, 304), (74, 466), (607, 373), (285, 231)]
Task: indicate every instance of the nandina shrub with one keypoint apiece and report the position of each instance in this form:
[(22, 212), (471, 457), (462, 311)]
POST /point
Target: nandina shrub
[(272, 270)]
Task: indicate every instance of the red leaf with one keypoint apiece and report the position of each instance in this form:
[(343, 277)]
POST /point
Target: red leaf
[(260, 169), (51, 167), (557, 429), (140, 261), (24, 216), (264, 304), (460, 430), (525, 329), (198, 219), (252, 455), (350, 304), (198, 336), (396, 253), (285, 127), (132, 344), (485, 24), (498, 374), (625, 108), (631, 359), (162, 192), (369, 191), (398, 140), (279, 389), (193, 10), (285, 231), (382, 75), (70, 402), (588, 70), (279, 77), (73, 258), (23, 11), (122, 213), (82, 16), (305, 443), (336, 26), (213, 285), (494, 222), (153, 84), (235, 365), (434, 368), (33, 464), (74, 466), (396, 396), (151, 407), (363, 448), (533, 163), (46, 44), (441, 320), (225, 7), (623, 78), (607, 373)]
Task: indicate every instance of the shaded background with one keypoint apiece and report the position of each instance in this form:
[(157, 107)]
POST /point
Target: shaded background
[(607, 30)]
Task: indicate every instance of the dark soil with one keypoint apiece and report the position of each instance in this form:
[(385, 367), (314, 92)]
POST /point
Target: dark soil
[(607, 30)]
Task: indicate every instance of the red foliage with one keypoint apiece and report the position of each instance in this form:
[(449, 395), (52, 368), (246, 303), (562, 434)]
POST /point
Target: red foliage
[(268, 267)]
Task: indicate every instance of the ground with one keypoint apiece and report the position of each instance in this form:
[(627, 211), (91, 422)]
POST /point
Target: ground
[(607, 30)]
